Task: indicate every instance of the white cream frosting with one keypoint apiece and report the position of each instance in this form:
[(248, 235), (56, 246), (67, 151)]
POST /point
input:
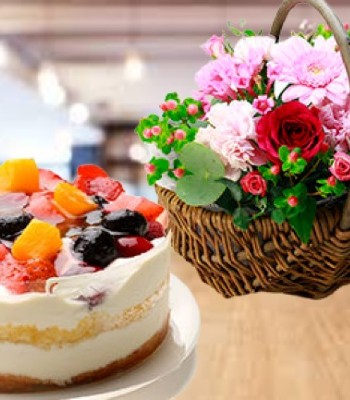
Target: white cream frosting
[(59, 365), (126, 282)]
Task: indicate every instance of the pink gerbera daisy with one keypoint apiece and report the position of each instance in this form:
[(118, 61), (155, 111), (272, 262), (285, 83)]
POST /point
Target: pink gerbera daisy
[(314, 73)]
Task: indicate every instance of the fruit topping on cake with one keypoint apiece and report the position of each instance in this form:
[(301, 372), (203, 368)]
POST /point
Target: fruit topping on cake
[(13, 225), (24, 276), (155, 230), (93, 180), (43, 207), (96, 246), (151, 211), (19, 175), (39, 240), (126, 222), (131, 246), (72, 200), (51, 228), (48, 180)]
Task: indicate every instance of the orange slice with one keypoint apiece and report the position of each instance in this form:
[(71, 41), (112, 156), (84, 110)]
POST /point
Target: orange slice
[(71, 199), (39, 240), (19, 175)]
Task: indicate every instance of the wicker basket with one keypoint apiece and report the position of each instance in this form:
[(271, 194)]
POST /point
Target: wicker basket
[(267, 257)]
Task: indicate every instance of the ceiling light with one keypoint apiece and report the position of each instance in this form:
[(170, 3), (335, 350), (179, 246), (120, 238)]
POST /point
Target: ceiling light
[(51, 91), (138, 152), (134, 67), (79, 113)]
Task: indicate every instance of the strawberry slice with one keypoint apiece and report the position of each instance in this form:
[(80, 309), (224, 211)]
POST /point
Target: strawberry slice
[(91, 171), (146, 207), (13, 201), (22, 277), (106, 187), (93, 180), (48, 180), (41, 206), (150, 210), (123, 202)]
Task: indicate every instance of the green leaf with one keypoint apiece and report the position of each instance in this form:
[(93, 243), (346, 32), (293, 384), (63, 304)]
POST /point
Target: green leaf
[(283, 153), (172, 96), (241, 218), (234, 188), (198, 191), (202, 161), (303, 222), (280, 202), (268, 175), (161, 163), (339, 189), (153, 178), (249, 32), (278, 216), (200, 124), (226, 202)]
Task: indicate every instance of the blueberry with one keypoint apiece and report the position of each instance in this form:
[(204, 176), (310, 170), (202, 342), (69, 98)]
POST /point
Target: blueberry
[(96, 247), (126, 222), (12, 225)]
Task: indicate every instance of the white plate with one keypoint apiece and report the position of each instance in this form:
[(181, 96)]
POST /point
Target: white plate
[(176, 352)]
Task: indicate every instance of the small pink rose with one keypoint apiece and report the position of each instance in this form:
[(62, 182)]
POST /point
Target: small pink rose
[(254, 183), (341, 166), (215, 46)]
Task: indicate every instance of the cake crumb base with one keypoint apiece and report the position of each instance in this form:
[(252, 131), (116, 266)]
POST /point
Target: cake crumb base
[(22, 384)]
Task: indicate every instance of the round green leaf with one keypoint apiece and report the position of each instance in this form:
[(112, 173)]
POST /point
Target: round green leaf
[(197, 191), (202, 161)]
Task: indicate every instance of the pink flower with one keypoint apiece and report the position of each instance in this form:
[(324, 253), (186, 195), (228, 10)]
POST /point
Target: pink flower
[(336, 123), (254, 49), (254, 183), (231, 134), (222, 78), (215, 46), (263, 104), (341, 166), (315, 74)]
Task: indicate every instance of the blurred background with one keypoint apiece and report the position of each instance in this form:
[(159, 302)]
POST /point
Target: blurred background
[(77, 75)]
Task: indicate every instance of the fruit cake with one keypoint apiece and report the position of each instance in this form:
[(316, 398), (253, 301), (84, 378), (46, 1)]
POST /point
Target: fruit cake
[(84, 275)]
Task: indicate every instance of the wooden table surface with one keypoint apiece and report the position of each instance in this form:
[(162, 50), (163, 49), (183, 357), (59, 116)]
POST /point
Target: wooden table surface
[(269, 346)]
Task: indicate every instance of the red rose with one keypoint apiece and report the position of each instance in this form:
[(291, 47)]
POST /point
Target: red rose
[(292, 125), (254, 183), (341, 166)]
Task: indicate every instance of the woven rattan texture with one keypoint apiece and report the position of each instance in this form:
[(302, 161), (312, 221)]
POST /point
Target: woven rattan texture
[(267, 257)]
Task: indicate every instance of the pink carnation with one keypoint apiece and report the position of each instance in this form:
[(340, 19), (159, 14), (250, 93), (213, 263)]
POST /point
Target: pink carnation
[(336, 124), (231, 134), (215, 46), (222, 78), (254, 49), (315, 74)]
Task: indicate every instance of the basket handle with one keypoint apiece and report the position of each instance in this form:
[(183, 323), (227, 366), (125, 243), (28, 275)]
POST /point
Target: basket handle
[(343, 42)]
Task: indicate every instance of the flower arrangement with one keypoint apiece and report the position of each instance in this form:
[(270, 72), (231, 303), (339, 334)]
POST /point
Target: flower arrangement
[(267, 133)]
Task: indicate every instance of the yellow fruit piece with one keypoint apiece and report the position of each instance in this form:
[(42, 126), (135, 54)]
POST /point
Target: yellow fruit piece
[(19, 175), (39, 240), (71, 199)]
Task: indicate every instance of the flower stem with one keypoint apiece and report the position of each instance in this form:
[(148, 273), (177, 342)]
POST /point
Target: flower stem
[(312, 169)]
